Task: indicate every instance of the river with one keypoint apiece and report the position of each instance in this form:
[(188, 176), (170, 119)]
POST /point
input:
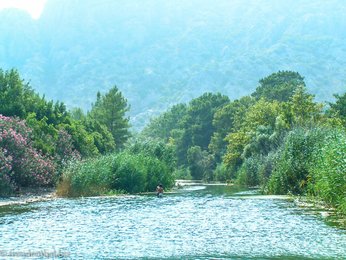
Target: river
[(196, 222)]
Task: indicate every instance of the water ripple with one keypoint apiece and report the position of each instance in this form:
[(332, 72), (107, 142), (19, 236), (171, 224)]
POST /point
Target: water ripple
[(201, 224)]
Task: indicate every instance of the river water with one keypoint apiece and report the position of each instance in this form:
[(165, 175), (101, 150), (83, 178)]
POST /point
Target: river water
[(197, 222)]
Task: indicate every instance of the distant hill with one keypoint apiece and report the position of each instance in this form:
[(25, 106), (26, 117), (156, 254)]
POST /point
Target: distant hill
[(160, 53)]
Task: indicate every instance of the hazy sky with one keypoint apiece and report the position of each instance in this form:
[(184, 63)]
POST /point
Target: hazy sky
[(34, 7)]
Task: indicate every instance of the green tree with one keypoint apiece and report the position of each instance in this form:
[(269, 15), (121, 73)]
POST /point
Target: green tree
[(161, 127), (110, 109), (227, 119), (83, 141), (198, 124), (303, 110), (236, 144), (279, 86), (13, 92), (200, 163), (261, 113), (339, 107), (103, 138)]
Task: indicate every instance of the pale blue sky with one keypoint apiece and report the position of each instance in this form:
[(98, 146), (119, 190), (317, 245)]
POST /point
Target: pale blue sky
[(33, 7)]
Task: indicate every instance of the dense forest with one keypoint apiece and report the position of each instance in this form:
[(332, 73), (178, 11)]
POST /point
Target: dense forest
[(161, 53), (278, 139), (41, 140)]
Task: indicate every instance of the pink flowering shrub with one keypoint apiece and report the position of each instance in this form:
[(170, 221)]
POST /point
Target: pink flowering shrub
[(65, 153), (65, 150), (20, 163), (6, 185)]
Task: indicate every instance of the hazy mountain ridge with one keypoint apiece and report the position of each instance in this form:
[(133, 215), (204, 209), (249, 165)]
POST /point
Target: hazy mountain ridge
[(162, 52)]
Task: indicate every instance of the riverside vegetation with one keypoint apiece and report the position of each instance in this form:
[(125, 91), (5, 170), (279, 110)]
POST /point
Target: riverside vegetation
[(278, 138)]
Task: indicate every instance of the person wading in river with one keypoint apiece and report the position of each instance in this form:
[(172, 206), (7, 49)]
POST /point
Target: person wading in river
[(159, 190)]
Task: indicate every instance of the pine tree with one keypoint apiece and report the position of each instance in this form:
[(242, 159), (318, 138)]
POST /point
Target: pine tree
[(110, 109)]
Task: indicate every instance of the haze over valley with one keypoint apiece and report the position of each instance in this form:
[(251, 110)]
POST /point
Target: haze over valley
[(160, 53)]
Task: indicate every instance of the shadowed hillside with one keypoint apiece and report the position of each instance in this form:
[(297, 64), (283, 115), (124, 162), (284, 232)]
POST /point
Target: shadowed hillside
[(160, 53)]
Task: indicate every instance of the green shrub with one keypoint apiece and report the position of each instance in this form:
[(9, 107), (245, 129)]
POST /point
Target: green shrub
[(129, 173), (86, 178), (328, 178), (125, 172), (221, 173), (182, 174), (292, 168), (248, 173)]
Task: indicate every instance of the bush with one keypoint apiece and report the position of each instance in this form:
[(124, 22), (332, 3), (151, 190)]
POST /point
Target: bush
[(266, 168), (21, 164), (87, 178), (182, 174), (123, 172), (248, 173), (292, 168), (221, 173), (328, 178), (6, 185)]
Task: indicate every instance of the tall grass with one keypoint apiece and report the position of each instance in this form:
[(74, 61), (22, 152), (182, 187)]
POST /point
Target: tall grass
[(295, 157), (328, 173), (312, 162), (123, 172)]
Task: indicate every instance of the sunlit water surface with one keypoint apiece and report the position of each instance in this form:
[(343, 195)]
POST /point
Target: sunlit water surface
[(199, 222)]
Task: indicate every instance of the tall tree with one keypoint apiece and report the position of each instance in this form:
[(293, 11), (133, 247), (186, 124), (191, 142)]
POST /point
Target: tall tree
[(226, 120), (339, 106), (162, 126), (12, 94), (110, 109), (303, 109), (198, 124), (279, 86)]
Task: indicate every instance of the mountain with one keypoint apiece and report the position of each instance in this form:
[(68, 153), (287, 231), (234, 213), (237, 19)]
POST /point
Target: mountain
[(160, 53)]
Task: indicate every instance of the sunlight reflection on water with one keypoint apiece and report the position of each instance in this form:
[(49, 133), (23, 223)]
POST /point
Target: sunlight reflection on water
[(200, 222)]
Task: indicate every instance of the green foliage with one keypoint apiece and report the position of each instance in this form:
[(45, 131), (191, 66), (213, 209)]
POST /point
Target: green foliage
[(153, 148), (162, 126), (82, 140), (279, 86), (262, 113), (122, 172), (258, 132), (130, 173), (182, 174), (227, 119), (103, 138), (339, 107), (201, 163), (188, 126), (45, 118), (236, 144), (328, 174), (110, 110), (199, 121), (87, 178), (303, 110), (295, 159), (248, 173), (13, 89), (221, 173), (44, 134)]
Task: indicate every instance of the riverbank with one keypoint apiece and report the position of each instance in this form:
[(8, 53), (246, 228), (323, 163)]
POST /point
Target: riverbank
[(29, 196), (316, 206)]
